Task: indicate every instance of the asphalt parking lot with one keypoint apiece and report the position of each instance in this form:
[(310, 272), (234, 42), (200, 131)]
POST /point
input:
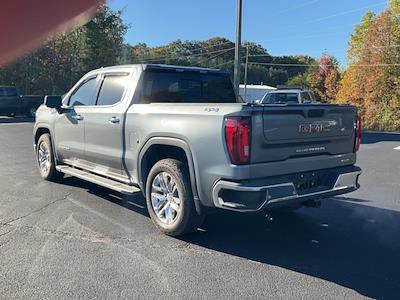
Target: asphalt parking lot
[(77, 240)]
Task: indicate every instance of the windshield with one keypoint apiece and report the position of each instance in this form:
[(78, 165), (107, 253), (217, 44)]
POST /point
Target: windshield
[(8, 91), (280, 98), (187, 87)]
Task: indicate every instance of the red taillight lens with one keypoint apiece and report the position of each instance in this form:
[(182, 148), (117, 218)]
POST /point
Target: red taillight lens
[(237, 135), (358, 134)]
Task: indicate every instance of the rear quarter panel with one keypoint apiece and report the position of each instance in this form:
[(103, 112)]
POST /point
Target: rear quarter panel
[(200, 126)]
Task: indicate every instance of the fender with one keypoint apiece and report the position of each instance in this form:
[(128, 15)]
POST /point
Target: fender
[(46, 126), (169, 141)]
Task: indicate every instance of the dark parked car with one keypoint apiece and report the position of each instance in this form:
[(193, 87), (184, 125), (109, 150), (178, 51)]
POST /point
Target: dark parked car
[(12, 103)]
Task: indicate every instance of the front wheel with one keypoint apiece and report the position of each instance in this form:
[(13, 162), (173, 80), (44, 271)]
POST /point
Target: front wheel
[(32, 112), (169, 198), (45, 158)]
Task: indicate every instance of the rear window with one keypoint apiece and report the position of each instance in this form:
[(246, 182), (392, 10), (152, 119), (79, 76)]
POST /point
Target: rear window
[(187, 87), (8, 91), (281, 98), (307, 96), (112, 89)]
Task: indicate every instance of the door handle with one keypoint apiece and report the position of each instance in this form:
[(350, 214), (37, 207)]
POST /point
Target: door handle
[(114, 120), (77, 117)]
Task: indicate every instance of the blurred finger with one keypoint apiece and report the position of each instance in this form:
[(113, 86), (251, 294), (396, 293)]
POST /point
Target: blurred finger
[(25, 24)]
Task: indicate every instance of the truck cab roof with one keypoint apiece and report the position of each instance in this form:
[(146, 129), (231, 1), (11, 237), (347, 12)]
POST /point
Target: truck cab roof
[(156, 67), (286, 91)]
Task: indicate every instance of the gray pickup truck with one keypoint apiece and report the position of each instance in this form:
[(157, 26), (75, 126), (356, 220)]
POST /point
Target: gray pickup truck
[(180, 136)]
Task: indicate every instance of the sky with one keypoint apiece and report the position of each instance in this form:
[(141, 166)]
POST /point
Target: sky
[(283, 27)]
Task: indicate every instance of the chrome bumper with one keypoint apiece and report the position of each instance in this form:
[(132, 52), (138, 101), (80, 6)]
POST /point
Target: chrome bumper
[(283, 192)]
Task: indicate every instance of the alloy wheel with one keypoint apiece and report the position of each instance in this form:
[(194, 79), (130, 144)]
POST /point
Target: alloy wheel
[(165, 199)]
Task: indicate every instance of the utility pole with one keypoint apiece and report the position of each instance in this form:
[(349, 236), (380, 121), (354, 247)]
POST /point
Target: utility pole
[(236, 72), (245, 72)]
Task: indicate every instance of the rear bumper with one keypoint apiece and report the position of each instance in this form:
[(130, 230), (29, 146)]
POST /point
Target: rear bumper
[(273, 192)]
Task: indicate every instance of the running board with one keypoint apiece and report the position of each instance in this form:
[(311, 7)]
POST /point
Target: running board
[(105, 182)]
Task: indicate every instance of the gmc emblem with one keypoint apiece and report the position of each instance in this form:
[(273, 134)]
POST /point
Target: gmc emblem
[(311, 128)]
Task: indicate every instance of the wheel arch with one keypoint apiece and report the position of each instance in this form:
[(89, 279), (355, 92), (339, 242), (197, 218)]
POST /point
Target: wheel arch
[(39, 130), (158, 148)]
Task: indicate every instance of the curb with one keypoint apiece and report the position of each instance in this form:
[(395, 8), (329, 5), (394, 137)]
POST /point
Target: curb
[(382, 132)]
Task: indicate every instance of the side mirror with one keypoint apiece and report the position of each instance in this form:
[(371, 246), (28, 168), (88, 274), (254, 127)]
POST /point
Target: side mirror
[(53, 102)]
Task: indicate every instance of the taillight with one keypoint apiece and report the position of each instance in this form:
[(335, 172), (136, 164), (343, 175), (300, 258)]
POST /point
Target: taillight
[(237, 135), (358, 135)]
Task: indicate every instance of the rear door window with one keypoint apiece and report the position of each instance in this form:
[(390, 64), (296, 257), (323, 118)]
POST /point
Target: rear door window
[(84, 95), (8, 91), (187, 87), (112, 89), (305, 96)]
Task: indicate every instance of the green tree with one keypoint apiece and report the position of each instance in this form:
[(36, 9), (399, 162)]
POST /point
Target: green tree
[(356, 42), (103, 38), (62, 60)]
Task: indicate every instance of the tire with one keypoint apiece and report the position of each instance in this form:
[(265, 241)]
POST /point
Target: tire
[(169, 198), (32, 112), (45, 159), (11, 115)]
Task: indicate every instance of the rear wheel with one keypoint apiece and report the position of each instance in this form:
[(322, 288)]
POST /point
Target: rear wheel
[(45, 158), (32, 112), (169, 198)]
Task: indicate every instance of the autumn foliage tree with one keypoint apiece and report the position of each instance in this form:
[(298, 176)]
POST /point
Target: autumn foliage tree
[(372, 80), (325, 79)]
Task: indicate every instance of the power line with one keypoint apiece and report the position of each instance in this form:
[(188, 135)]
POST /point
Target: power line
[(190, 51), (215, 56), (319, 65), (337, 51), (261, 55), (302, 37), (181, 56), (295, 7), (345, 12), (283, 64), (335, 15), (221, 64)]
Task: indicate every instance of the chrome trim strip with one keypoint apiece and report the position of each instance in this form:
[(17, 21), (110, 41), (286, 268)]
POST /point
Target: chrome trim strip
[(344, 181)]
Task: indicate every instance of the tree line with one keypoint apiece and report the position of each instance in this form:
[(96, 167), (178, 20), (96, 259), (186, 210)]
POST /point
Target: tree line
[(371, 81), (62, 60)]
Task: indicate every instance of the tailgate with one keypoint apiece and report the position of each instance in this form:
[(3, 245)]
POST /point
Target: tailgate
[(284, 132)]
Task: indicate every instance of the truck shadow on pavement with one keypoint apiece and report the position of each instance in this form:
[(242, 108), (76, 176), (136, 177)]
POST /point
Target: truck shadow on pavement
[(352, 245), (345, 242)]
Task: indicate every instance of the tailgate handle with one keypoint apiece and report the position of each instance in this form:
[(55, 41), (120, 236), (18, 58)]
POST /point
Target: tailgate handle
[(316, 113)]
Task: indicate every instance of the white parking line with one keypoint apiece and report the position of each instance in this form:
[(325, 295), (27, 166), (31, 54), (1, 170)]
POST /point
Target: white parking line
[(397, 148)]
